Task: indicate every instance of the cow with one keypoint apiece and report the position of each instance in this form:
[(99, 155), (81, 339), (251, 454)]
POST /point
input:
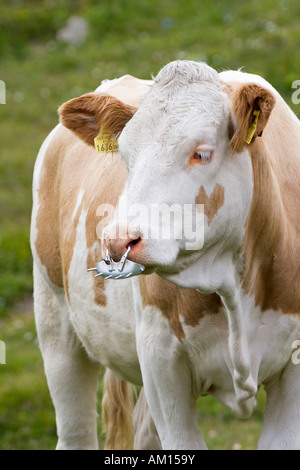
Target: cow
[(217, 315)]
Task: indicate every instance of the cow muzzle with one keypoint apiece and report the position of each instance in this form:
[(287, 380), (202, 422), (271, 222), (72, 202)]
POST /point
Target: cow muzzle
[(117, 246), (116, 264)]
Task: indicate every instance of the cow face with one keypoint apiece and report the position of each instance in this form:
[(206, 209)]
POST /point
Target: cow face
[(189, 185)]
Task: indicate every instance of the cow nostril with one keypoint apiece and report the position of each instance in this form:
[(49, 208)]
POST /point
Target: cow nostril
[(133, 242)]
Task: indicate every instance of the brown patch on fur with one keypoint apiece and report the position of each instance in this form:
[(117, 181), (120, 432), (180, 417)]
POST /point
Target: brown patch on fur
[(87, 114), (245, 100), (92, 259), (130, 90), (175, 302), (213, 203)]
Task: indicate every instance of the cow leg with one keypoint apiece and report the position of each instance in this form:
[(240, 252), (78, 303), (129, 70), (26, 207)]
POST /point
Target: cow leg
[(72, 377), (173, 408), (145, 434), (281, 430), (168, 389)]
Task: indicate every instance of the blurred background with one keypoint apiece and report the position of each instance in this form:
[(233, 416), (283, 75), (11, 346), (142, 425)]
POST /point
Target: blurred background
[(52, 51)]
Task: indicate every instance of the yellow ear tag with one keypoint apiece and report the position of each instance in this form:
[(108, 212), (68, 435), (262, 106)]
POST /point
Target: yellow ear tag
[(252, 127), (104, 145)]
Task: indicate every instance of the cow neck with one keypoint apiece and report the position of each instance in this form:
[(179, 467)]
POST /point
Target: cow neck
[(271, 245), (270, 278)]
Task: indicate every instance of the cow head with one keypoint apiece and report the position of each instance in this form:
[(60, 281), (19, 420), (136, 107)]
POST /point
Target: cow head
[(189, 187)]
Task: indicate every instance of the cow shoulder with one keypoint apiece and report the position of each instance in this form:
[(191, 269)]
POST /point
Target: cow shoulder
[(181, 307)]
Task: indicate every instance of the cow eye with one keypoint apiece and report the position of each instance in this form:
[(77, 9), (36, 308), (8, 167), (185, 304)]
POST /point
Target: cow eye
[(203, 157)]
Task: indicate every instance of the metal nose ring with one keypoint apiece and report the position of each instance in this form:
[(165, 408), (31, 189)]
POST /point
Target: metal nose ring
[(124, 269)]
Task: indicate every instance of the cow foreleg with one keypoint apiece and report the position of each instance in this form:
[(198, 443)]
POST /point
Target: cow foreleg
[(168, 389), (72, 377), (281, 430)]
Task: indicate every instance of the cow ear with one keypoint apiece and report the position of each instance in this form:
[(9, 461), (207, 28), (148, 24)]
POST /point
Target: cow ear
[(89, 113), (251, 108)]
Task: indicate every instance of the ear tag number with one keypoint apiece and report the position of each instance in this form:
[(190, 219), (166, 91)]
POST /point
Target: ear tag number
[(103, 144)]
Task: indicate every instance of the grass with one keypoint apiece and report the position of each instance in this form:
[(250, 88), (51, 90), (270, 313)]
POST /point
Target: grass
[(40, 73), (26, 414)]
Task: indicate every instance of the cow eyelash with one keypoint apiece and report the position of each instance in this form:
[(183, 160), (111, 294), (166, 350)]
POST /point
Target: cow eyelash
[(202, 156)]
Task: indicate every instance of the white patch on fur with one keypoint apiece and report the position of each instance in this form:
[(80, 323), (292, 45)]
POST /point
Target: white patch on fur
[(78, 202), (40, 160), (106, 84), (186, 106)]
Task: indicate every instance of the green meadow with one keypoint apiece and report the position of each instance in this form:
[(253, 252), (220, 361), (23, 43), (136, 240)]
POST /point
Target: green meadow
[(40, 72)]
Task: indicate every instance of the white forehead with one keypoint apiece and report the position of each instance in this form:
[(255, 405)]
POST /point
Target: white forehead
[(185, 101)]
